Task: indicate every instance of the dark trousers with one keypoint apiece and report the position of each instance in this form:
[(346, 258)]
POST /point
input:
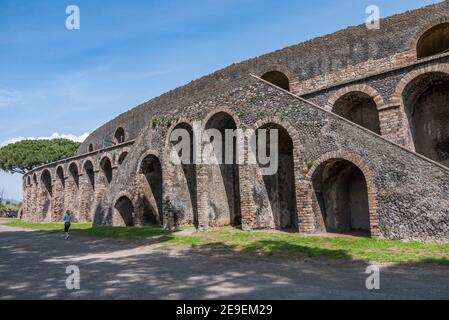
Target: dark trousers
[(66, 227)]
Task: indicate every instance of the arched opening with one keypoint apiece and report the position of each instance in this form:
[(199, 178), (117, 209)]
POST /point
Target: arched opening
[(27, 205), (427, 108), (59, 194), (106, 167), (359, 108), (90, 173), (340, 198), (119, 135), (88, 191), (90, 148), (34, 195), (280, 186), (74, 173), (72, 190), (46, 194), (434, 41), (150, 195), (278, 79), (122, 157), (184, 185), (223, 178), (126, 209)]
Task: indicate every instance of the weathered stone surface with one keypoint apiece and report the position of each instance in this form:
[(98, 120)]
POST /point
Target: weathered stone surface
[(333, 175)]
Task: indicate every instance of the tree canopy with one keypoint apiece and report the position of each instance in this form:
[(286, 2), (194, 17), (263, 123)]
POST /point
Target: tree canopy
[(23, 156)]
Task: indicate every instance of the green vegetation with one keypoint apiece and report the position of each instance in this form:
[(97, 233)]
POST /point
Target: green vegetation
[(161, 121), (23, 156), (273, 243), (53, 226), (9, 209)]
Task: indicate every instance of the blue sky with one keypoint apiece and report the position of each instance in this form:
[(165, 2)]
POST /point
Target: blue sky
[(53, 80)]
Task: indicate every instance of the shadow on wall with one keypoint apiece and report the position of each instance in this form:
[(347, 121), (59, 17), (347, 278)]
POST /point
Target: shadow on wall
[(341, 198)]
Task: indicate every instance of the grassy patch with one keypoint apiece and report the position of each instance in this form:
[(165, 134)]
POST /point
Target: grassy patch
[(273, 243), (50, 226)]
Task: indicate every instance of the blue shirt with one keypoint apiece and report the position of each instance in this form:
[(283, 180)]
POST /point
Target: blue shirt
[(67, 218)]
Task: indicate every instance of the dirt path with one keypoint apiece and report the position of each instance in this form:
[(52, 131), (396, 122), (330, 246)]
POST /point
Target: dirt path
[(33, 265)]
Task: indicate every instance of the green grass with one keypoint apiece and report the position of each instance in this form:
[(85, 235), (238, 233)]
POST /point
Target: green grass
[(51, 226), (273, 243)]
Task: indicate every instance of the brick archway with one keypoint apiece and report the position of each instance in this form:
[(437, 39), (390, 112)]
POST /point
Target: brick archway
[(361, 104), (306, 215), (224, 110), (180, 179), (46, 194), (59, 178), (411, 76), (398, 98), (222, 207), (149, 184), (249, 204), (363, 88), (413, 42), (107, 169), (34, 203), (87, 189), (71, 200), (124, 214), (293, 81), (119, 135)]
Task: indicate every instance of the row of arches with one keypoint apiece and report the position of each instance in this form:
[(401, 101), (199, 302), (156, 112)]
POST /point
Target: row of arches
[(211, 195), (118, 138), (422, 103), (424, 111), (75, 188), (423, 108), (433, 41)]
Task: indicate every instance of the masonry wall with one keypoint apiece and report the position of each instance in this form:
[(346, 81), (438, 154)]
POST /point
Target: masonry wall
[(328, 61), (393, 173)]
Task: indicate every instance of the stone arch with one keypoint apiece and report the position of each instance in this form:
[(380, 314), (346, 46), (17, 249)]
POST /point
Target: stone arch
[(45, 194), (181, 182), (347, 166), (90, 148), (280, 190), (223, 206), (27, 197), (87, 190), (225, 110), (411, 76), (149, 190), (73, 170), (119, 135), (422, 95), (122, 157), (59, 189), (72, 189), (124, 206), (433, 40), (106, 169), (34, 203), (359, 104), (278, 78)]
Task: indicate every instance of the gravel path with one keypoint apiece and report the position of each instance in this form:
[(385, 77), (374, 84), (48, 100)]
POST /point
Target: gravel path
[(33, 265)]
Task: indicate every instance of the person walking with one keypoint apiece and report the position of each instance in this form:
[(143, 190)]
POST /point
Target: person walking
[(67, 220)]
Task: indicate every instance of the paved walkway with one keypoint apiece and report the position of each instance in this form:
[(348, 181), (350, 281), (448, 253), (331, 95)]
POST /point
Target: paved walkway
[(33, 265)]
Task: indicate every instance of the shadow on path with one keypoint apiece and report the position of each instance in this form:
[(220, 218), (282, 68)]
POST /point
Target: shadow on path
[(33, 264)]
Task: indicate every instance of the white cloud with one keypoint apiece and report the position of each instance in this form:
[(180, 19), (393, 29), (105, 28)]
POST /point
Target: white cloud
[(55, 135)]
